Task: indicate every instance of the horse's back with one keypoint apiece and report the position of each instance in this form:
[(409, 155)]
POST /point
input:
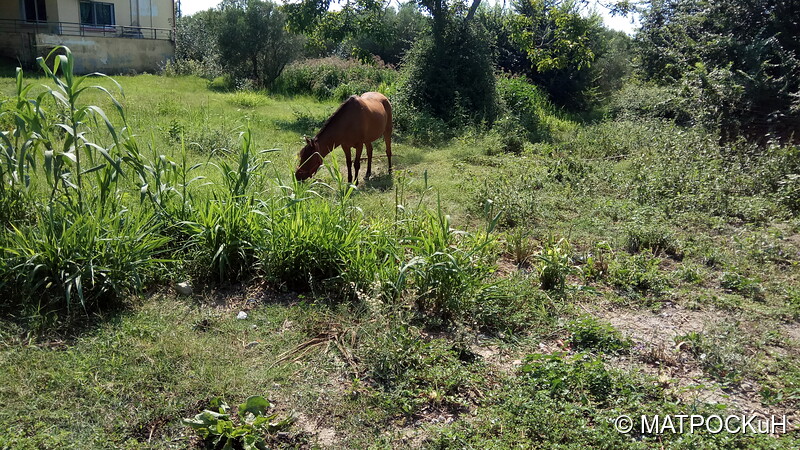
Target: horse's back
[(377, 115)]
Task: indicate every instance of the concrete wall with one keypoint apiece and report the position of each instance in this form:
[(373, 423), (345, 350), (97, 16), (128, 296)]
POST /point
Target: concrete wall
[(9, 9), (110, 55), (17, 46)]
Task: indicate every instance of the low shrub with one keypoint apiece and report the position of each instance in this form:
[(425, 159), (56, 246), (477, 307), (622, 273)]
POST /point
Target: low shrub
[(412, 372), (79, 262), (655, 238), (591, 334), (637, 101), (720, 350), (637, 274)]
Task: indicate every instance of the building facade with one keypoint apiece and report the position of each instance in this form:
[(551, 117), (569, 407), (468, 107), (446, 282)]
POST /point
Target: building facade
[(109, 36)]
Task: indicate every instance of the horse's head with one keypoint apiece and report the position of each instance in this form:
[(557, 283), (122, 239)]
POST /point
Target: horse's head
[(310, 160)]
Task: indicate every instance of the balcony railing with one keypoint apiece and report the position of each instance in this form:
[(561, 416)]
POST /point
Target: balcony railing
[(77, 29)]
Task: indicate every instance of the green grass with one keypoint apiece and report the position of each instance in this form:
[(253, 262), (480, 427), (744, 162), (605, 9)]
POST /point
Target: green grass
[(403, 313)]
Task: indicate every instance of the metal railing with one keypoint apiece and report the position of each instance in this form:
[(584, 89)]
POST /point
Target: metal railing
[(77, 29)]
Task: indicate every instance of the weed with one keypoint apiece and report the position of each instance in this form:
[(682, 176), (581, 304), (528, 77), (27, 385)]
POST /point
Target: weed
[(749, 287), (656, 239), (690, 273), (720, 351), (414, 373), (331, 78), (520, 245), (247, 99), (637, 274), (555, 263), (597, 262), (591, 334), (71, 261), (219, 430)]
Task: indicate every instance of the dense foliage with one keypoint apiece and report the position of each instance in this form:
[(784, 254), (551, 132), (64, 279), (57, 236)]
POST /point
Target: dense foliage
[(738, 60), (451, 76)]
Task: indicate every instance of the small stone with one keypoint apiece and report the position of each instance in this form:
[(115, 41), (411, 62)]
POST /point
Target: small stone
[(242, 315), (184, 288), (251, 344)]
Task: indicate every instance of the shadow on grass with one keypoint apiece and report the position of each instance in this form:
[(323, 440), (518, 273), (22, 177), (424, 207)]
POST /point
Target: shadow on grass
[(8, 67), (382, 182), (304, 123)]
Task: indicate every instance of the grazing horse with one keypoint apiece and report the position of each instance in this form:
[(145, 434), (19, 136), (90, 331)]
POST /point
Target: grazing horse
[(357, 122)]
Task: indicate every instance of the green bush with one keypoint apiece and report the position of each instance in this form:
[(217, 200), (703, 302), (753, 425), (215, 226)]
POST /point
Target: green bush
[(87, 261), (748, 287), (520, 175), (654, 238), (332, 78), (527, 104), (419, 127), (219, 429), (721, 351), (412, 372), (555, 264), (687, 170), (556, 398), (638, 274)]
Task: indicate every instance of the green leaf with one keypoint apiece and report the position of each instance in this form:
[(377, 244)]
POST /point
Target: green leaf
[(256, 405), (206, 419)]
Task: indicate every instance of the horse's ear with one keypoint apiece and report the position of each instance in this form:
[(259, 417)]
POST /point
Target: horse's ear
[(308, 141)]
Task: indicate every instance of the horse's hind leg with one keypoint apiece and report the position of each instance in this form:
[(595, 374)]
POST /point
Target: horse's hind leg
[(357, 161), (369, 159), (388, 139)]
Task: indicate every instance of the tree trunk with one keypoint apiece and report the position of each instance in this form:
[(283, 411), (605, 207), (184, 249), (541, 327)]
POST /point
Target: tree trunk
[(473, 9)]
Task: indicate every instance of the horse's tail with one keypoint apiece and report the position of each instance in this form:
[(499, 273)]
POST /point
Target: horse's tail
[(387, 133), (388, 107)]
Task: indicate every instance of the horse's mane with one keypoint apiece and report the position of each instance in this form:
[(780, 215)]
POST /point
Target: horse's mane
[(333, 118)]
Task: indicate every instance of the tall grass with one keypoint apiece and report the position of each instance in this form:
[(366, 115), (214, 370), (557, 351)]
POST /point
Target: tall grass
[(82, 245)]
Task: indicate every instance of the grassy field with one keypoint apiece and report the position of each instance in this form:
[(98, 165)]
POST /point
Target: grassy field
[(635, 268)]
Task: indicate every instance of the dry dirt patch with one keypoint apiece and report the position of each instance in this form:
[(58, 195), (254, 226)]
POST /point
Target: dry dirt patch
[(657, 353)]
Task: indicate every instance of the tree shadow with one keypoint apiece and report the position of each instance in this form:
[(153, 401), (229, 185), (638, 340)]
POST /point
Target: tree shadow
[(382, 182), (8, 67), (304, 123)]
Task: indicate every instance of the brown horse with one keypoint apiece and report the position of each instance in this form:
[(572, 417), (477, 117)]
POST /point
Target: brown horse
[(357, 122)]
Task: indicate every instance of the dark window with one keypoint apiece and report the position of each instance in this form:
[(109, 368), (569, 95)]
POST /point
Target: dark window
[(35, 11), (97, 14)]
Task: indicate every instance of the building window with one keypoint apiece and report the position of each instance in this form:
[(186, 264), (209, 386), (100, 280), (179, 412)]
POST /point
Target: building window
[(95, 14), (34, 10)]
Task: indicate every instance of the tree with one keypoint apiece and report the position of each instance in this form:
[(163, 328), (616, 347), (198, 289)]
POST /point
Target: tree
[(738, 58), (253, 40), (552, 44), (448, 73), (397, 31), (451, 76)]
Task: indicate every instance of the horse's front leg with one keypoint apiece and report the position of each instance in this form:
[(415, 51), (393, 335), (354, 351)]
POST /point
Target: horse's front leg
[(357, 161), (369, 159), (348, 160)]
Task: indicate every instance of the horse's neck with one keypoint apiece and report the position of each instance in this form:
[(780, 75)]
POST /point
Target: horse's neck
[(327, 140), (332, 133)]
